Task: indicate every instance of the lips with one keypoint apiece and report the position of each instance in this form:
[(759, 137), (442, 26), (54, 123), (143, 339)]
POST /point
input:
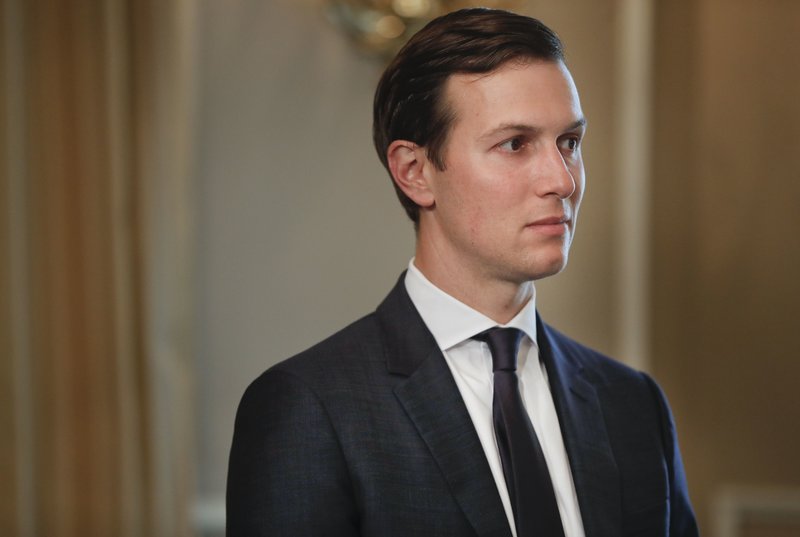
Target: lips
[(550, 221), (557, 226)]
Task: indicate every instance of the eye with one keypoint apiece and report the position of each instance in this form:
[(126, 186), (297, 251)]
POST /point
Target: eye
[(512, 145), (570, 143)]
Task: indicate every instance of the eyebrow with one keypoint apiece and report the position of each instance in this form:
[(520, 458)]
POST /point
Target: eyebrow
[(521, 127), (577, 124)]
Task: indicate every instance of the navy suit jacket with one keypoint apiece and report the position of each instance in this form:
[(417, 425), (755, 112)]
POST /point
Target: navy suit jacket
[(366, 434)]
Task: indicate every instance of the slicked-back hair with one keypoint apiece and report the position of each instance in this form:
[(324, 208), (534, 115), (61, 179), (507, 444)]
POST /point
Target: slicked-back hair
[(409, 101)]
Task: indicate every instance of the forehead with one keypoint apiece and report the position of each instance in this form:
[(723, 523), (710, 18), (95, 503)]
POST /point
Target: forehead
[(538, 92)]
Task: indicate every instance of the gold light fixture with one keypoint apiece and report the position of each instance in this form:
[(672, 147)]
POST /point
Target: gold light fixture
[(380, 27)]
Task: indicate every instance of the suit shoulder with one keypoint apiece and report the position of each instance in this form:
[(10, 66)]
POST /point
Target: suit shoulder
[(608, 369), (612, 378), (336, 358)]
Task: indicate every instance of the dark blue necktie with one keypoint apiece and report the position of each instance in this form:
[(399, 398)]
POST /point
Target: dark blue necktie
[(527, 478)]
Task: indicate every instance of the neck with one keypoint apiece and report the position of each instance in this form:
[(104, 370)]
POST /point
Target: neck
[(498, 299)]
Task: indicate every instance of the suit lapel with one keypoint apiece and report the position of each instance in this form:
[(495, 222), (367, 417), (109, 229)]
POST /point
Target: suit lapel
[(433, 403), (594, 470)]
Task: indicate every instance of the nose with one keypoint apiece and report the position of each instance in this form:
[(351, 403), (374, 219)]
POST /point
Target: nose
[(555, 176)]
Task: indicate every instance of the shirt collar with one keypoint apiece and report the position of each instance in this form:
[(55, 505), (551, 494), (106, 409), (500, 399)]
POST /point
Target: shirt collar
[(450, 320)]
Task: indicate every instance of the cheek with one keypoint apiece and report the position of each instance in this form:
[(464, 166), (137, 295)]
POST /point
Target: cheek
[(483, 218), (462, 213), (475, 220), (577, 198), (466, 197), (580, 187)]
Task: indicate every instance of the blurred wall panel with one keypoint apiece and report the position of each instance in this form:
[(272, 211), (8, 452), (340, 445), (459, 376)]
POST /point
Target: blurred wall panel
[(11, 506), (726, 249), (9, 486)]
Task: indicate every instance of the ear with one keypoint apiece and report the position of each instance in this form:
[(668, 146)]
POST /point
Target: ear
[(408, 163)]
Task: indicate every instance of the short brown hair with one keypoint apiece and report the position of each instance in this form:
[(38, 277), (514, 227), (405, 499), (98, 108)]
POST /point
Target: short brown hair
[(408, 101)]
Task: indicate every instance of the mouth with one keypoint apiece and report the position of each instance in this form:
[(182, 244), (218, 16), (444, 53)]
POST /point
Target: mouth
[(551, 225), (551, 220)]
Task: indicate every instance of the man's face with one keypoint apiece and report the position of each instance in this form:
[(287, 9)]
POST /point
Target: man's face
[(506, 205)]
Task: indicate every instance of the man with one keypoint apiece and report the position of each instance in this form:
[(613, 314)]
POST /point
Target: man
[(424, 418)]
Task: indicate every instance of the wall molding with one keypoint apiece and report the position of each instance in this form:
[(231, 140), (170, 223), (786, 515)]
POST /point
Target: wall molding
[(16, 225), (633, 163)]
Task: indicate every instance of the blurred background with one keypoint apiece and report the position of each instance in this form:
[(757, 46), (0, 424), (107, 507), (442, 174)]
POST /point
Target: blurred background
[(189, 194)]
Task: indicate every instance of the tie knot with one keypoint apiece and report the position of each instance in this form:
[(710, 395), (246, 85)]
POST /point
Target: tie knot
[(503, 343)]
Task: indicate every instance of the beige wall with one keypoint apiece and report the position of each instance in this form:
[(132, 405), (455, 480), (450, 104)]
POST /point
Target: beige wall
[(726, 248)]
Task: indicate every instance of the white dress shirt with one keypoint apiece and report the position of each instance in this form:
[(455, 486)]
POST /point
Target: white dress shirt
[(453, 324)]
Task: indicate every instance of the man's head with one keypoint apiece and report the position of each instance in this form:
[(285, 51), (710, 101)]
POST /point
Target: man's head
[(480, 126), (410, 103)]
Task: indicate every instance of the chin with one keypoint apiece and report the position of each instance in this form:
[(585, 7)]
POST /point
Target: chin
[(546, 268)]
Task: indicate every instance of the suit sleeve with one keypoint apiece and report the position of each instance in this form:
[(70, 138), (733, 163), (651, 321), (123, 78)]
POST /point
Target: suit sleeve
[(682, 521), (287, 474)]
